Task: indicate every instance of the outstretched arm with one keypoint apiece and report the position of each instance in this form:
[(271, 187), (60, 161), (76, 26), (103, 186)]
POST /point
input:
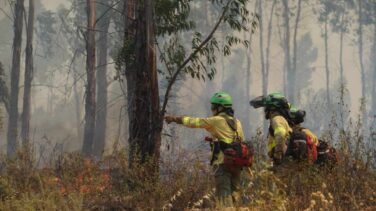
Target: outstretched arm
[(190, 122)]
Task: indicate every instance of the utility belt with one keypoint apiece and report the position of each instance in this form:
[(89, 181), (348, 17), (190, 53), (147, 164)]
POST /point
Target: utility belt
[(235, 154)]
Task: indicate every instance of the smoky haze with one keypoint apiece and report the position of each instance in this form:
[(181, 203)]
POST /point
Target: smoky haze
[(57, 117)]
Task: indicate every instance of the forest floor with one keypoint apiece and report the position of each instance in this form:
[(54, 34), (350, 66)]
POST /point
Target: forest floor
[(76, 183)]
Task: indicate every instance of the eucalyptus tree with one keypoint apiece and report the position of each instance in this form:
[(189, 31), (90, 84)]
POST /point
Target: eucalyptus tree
[(90, 91), (323, 13), (138, 61), (29, 69), (103, 23), (15, 77)]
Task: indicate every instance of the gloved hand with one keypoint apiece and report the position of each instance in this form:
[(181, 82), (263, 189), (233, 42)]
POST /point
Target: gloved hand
[(170, 119)]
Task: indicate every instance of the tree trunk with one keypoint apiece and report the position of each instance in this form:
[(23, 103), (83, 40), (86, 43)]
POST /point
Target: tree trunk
[(263, 71), (286, 18), (77, 100), (327, 63), (294, 59), (15, 78), (341, 56), (90, 107), (267, 64), (29, 70), (362, 70), (157, 121), (342, 79), (142, 84), (100, 131), (373, 111)]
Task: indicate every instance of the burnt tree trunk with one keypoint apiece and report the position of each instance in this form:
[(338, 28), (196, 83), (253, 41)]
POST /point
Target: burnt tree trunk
[(90, 104), (29, 70), (100, 131), (15, 79)]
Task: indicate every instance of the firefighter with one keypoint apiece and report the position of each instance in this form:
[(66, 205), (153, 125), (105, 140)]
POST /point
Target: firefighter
[(227, 178), (276, 109), (297, 117)]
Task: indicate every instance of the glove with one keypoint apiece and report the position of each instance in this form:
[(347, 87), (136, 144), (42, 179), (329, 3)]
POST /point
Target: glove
[(170, 119)]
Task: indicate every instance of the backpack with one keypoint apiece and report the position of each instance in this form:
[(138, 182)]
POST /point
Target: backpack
[(326, 154), (238, 153), (301, 146)]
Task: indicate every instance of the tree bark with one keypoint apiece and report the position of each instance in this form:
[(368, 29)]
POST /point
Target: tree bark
[(100, 131), (29, 70), (90, 103), (294, 59), (286, 18), (140, 78), (157, 121), (15, 78)]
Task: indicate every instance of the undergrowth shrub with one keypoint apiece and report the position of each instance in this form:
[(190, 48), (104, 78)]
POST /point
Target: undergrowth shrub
[(185, 182)]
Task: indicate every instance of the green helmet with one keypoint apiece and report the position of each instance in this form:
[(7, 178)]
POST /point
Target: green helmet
[(297, 115), (273, 100), (276, 100), (221, 98)]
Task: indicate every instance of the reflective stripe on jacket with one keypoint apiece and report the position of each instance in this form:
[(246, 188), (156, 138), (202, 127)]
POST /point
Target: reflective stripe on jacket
[(281, 130), (217, 127)]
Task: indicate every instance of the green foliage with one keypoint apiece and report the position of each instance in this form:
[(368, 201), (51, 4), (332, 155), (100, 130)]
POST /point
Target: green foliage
[(172, 16), (200, 63)]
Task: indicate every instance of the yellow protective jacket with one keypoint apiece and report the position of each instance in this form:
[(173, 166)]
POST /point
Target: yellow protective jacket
[(217, 127), (281, 130)]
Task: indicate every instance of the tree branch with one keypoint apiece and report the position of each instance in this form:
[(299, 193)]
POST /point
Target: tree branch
[(191, 56)]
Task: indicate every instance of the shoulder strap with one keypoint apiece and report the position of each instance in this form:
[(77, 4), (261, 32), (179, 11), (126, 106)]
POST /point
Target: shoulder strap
[(232, 123)]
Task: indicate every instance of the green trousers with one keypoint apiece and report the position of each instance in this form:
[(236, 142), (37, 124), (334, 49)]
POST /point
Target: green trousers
[(227, 182)]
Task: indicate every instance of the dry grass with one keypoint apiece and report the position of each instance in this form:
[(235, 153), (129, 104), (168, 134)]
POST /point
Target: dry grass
[(75, 183)]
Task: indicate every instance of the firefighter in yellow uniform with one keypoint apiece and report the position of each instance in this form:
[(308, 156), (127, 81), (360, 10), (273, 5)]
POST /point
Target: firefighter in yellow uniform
[(276, 110), (297, 117), (227, 178)]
